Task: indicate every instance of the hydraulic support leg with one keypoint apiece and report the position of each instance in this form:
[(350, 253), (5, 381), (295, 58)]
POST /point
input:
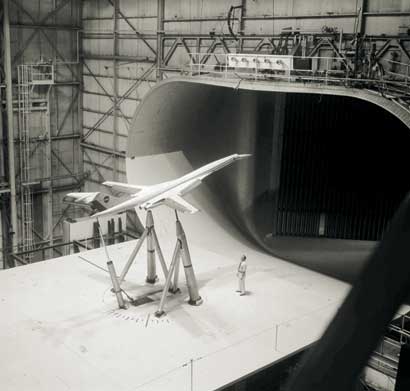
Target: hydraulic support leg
[(113, 274), (174, 288), (116, 285), (160, 255), (175, 261), (194, 298), (133, 255), (151, 267), (181, 253), (152, 246)]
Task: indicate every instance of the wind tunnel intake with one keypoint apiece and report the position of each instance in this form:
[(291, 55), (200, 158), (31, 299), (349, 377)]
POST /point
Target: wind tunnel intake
[(326, 174)]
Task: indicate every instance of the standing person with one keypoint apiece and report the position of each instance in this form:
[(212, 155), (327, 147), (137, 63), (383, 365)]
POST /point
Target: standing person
[(241, 275)]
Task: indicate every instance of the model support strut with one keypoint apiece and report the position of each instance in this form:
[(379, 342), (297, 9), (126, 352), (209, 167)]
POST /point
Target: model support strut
[(151, 267), (153, 247), (181, 253), (111, 270)]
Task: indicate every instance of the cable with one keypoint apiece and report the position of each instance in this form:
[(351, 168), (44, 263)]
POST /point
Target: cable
[(230, 20), (91, 263), (128, 296)]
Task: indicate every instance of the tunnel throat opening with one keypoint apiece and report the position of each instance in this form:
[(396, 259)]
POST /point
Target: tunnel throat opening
[(343, 167)]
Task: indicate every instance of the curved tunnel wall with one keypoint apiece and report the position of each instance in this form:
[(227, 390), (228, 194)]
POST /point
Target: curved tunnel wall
[(322, 165)]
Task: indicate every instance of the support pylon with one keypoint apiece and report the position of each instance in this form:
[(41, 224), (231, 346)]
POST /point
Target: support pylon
[(174, 288), (111, 270), (151, 267), (152, 248), (194, 298), (175, 260), (181, 253), (116, 285)]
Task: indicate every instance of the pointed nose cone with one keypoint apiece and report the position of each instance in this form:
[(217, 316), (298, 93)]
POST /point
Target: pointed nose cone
[(243, 156)]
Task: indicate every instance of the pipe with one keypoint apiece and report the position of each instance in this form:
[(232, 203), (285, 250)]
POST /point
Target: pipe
[(10, 127), (160, 34), (48, 196), (2, 157), (115, 91)]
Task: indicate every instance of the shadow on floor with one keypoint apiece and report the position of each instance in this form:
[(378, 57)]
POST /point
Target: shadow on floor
[(338, 258)]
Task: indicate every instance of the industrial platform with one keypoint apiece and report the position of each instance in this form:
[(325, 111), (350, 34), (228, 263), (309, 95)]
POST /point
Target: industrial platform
[(62, 329)]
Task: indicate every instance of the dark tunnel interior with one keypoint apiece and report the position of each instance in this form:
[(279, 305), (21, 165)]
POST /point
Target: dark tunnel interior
[(343, 173), (326, 175), (343, 168)]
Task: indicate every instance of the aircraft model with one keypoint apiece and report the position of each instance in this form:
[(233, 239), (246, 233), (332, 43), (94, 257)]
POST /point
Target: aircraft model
[(168, 193), (95, 201)]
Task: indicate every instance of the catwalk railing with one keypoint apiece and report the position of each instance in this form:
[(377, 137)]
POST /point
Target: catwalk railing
[(298, 69)]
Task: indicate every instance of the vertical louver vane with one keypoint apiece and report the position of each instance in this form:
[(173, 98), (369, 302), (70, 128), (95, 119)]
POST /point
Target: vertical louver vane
[(342, 162)]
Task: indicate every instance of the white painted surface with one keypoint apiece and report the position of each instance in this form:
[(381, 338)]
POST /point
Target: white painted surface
[(83, 227), (61, 329)]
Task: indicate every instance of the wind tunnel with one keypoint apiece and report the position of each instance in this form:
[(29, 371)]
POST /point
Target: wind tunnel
[(327, 171)]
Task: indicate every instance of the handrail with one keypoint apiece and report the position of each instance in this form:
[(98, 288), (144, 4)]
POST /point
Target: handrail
[(319, 69), (39, 73)]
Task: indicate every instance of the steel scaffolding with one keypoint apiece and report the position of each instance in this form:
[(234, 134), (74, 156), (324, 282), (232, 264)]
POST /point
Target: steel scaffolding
[(29, 76)]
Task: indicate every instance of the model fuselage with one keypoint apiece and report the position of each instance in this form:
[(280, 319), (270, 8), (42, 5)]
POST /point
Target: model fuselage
[(151, 196)]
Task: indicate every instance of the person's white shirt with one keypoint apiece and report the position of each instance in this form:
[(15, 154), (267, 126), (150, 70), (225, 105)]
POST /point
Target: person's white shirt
[(241, 275)]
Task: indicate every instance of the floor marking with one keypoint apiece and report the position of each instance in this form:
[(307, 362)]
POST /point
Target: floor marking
[(144, 320)]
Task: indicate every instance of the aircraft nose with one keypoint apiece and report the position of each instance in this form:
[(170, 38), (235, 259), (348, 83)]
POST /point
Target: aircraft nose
[(244, 156)]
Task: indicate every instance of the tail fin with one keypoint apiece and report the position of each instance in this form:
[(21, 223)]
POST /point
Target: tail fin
[(96, 201), (123, 187)]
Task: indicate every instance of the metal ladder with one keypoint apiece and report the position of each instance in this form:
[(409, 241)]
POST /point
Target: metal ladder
[(24, 111)]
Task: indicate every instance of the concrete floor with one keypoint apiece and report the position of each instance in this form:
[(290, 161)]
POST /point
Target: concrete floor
[(61, 328)]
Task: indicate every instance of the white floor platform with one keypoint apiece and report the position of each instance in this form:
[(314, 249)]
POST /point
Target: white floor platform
[(60, 328)]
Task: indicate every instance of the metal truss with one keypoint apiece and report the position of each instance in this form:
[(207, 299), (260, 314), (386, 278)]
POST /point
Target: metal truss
[(130, 90), (169, 45), (45, 26), (40, 27)]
